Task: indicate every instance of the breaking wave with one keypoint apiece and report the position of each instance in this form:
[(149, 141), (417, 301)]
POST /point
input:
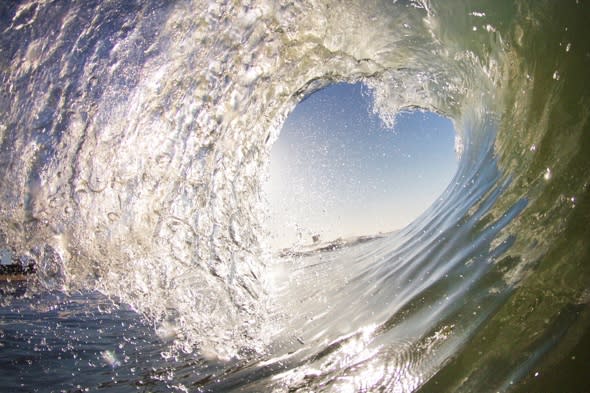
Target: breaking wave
[(133, 141)]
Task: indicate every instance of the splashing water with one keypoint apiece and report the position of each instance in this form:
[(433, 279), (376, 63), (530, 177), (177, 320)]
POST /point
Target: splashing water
[(133, 141)]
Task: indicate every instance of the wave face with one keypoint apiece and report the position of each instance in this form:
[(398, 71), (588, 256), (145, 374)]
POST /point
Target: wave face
[(133, 141)]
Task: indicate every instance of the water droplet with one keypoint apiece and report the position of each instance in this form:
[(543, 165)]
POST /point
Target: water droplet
[(110, 358), (547, 174)]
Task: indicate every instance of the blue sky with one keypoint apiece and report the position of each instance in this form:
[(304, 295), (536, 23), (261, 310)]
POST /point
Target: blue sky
[(337, 171)]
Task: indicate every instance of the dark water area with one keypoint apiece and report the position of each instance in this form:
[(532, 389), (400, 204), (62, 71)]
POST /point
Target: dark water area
[(85, 342)]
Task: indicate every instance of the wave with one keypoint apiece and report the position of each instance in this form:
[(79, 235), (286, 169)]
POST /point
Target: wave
[(133, 141)]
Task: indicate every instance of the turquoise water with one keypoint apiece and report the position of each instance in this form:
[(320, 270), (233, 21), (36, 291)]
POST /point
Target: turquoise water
[(134, 137)]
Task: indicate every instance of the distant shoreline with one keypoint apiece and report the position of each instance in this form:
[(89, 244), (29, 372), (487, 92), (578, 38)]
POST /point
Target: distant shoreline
[(333, 245), (16, 272)]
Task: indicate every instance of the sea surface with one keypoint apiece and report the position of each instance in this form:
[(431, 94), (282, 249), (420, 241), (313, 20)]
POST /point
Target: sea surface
[(134, 139)]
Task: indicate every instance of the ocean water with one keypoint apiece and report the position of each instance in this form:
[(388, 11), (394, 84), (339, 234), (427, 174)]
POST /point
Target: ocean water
[(134, 138)]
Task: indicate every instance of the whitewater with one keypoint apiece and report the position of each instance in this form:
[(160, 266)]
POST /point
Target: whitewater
[(134, 140)]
